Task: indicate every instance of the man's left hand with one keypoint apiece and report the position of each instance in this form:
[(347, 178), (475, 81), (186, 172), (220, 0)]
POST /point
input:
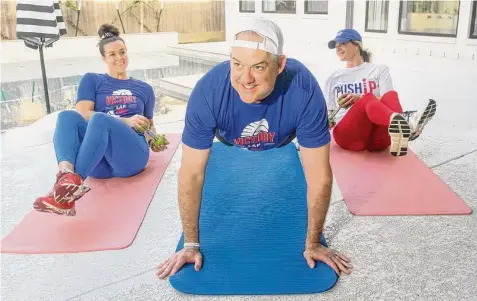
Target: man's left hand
[(335, 260)]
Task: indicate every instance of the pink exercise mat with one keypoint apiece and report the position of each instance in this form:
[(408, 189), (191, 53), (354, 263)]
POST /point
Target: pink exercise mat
[(379, 184), (107, 218)]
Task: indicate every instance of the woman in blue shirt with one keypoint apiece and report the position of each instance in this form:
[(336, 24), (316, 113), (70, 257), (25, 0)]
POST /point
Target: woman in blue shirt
[(105, 135)]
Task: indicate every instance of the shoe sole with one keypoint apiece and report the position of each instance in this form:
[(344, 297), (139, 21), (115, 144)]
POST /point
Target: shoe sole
[(48, 208), (429, 112), (399, 131)]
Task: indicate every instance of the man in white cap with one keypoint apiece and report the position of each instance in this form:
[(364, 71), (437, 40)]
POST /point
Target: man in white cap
[(258, 100)]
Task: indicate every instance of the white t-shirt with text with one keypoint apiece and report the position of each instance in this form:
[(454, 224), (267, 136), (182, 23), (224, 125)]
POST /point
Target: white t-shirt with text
[(361, 79)]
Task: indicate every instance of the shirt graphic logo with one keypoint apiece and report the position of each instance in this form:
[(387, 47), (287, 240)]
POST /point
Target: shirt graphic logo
[(362, 87), (120, 102), (122, 92), (254, 134)]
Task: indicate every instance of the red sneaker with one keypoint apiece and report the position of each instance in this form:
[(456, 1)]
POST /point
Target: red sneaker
[(49, 205), (68, 188)]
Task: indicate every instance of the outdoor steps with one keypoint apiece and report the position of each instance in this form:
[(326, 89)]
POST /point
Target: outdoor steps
[(179, 87), (220, 51)]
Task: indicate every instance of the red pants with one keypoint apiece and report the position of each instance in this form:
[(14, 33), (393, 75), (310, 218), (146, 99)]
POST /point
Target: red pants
[(365, 126)]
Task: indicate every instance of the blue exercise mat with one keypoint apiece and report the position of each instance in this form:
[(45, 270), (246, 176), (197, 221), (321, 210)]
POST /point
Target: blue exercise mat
[(252, 227)]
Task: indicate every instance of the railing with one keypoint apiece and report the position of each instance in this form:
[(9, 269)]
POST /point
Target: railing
[(23, 111), (23, 108)]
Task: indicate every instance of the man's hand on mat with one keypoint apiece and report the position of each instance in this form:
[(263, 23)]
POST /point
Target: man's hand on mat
[(138, 122), (335, 260), (176, 261), (346, 100)]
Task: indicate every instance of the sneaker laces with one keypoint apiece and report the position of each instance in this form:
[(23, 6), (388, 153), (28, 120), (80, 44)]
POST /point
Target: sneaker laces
[(408, 114), (82, 190), (412, 119)]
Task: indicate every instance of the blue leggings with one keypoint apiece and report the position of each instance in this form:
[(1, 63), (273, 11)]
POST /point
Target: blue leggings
[(103, 147)]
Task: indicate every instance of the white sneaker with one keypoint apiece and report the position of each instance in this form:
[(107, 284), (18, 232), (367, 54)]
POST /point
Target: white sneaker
[(399, 130), (417, 122)]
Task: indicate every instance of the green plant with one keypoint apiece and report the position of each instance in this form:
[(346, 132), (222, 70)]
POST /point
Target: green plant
[(160, 141), (69, 4)]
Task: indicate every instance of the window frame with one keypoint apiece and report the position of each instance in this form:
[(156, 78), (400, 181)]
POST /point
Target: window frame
[(246, 11), (366, 18), (313, 12), (473, 16), (427, 34), (279, 12)]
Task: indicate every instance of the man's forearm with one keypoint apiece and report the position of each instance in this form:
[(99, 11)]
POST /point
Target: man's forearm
[(190, 196), (318, 204)]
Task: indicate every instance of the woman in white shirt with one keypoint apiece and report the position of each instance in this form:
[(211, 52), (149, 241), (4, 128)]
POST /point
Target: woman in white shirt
[(363, 107)]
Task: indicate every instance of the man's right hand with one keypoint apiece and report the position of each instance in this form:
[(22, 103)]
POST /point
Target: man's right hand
[(177, 261)]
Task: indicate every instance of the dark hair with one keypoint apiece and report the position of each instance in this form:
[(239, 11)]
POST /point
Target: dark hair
[(107, 33), (365, 54)]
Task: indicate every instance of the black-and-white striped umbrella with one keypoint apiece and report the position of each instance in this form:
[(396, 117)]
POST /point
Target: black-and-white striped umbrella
[(40, 23)]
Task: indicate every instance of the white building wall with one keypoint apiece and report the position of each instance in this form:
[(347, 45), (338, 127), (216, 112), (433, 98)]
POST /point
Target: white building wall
[(459, 48), (451, 61), (307, 35), (301, 31)]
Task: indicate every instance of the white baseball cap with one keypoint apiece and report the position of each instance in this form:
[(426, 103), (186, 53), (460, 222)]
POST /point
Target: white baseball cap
[(268, 30)]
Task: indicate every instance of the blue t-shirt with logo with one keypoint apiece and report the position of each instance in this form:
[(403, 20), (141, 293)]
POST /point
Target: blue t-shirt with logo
[(122, 98), (295, 107)]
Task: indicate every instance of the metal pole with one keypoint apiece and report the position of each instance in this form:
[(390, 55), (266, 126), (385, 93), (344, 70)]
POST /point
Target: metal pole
[(77, 23), (119, 15), (159, 17), (33, 92), (78, 16), (43, 73)]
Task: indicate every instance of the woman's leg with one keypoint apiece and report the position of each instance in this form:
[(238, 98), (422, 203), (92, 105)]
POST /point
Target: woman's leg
[(109, 148), (398, 128), (379, 114), (109, 140), (353, 131), (380, 139), (69, 133)]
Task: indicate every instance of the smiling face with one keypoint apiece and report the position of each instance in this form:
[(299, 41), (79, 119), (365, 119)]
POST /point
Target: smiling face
[(116, 57), (254, 72), (347, 51)]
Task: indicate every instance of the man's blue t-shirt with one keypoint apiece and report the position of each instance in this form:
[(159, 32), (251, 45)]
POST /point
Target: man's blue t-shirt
[(296, 106), (123, 98)]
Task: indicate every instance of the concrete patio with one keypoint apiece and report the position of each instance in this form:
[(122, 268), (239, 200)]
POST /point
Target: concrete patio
[(395, 258)]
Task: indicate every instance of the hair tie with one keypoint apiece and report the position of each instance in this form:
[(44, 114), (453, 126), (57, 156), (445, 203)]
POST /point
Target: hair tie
[(107, 35)]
